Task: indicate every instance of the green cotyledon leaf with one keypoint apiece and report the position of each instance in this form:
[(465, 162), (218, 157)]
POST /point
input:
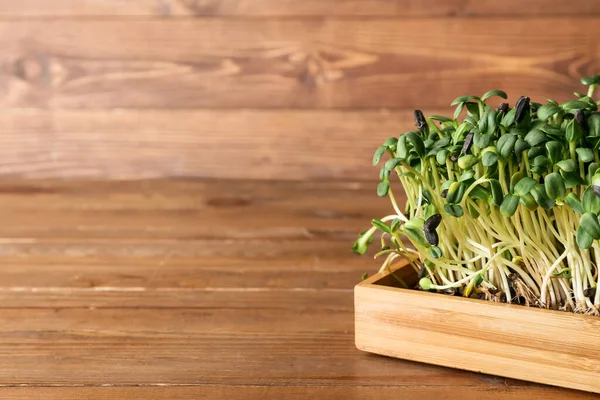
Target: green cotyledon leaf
[(589, 222), (541, 197), (524, 186), (454, 210), (509, 205), (555, 186)]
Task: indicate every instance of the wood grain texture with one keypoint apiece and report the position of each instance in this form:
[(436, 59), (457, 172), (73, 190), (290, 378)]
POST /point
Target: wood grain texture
[(189, 210), (232, 144), (251, 8), (290, 62), (537, 345), (118, 313), (289, 392)]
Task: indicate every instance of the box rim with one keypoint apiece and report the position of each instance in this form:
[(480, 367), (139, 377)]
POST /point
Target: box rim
[(370, 283)]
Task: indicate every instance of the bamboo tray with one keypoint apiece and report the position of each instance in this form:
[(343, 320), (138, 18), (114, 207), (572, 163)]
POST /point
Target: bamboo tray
[(544, 346)]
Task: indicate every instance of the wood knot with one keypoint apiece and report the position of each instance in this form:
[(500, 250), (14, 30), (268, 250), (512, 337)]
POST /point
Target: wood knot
[(33, 68), (317, 69), (202, 7)]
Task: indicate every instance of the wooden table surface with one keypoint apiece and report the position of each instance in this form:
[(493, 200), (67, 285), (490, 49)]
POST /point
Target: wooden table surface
[(199, 289)]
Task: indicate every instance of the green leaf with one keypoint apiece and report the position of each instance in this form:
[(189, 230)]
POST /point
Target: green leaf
[(491, 93), (471, 120), (390, 165), (516, 177), (536, 151), (509, 205), (491, 122), (455, 192), (483, 122), (384, 174), (590, 80), (446, 184), (594, 125), (472, 211), (472, 109), (590, 202), (546, 111), (516, 130), (433, 152), (589, 222), (459, 133), (591, 104), (497, 194), (443, 142), (593, 167), (391, 142), (378, 153), (508, 119), (429, 211), (454, 210), (427, 196), (573, 132), (489, 158), (572, 179), (524, 186), (414, 231), (442, 156), (362, 243), (506, 144), (573, 201), (541, 162), (440, 118), (567, 165), (555, 150), (480, 193), (482, 140), (415, 223), (401, 148), (458, 110), (541, 197), (416, 236), (462, 99), (584, 240), (574, 105), (395, 225), (535, 137), (521, 146), (491, 171), (435, 252), (553, 132), (425, 283), (416, 142), (585, 154), (467, 161), (466, 175), (555, 186), (383, 188), (382, 226), (529, 201)]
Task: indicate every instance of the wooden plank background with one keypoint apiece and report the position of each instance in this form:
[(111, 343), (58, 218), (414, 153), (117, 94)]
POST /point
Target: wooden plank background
[(262, 89), (199, 289)]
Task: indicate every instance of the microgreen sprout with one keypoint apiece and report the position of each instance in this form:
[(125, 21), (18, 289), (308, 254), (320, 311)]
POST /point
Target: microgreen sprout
[(502, 204)]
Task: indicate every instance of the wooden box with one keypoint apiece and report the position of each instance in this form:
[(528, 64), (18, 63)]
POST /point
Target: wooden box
[(544, 346)]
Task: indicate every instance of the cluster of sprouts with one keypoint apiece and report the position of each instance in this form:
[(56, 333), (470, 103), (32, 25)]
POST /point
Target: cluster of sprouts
[(501, 203)]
